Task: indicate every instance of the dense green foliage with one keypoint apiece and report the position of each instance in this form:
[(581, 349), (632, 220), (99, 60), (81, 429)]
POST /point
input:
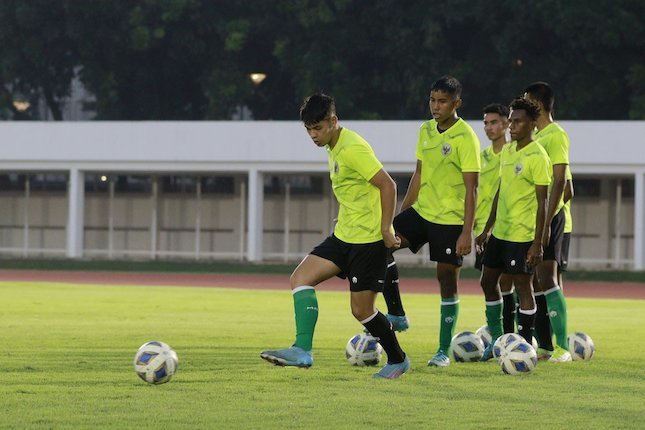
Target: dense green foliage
[(190, 59), (67, 352)]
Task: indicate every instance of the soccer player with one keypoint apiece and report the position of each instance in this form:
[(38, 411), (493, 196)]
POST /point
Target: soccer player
[(518, 215), (439, 207), (551, 305), (495, 127), (358, 246)]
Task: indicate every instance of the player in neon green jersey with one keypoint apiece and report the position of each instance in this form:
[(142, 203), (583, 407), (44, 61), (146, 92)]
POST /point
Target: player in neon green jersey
[(357, 249), (439, 207), (551, 305), (518, 215), (495, 127)]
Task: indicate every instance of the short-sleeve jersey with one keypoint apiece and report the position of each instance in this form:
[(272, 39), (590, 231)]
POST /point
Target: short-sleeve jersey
[(352, 163), (517, 203), (568, 221), (556, 142), (488, 185), (444, 158)]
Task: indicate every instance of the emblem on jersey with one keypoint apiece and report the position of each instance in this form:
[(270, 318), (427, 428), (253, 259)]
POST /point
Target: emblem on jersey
[(336, 167), (425, 143), (519, 168), (446, 149)]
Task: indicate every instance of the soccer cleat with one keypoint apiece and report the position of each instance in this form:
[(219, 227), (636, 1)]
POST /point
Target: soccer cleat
[(560, 355), (440, 359), (488, 352), (394, 370), (399, 322), (293, 356), (543, 354)]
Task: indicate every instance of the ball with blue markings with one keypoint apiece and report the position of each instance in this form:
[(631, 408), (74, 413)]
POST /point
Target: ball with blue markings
[(363, 349), (518, 358), (156, 362)]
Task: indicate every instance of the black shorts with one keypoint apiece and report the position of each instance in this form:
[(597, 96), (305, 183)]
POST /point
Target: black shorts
[(566, 241), (553, 251), (509, 256), (363, 264), (418, 231)]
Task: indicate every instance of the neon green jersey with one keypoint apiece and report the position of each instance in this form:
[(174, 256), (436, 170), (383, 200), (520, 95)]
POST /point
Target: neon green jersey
[(568, 221), (444, 158), (488, 185), (556, 142), (352, 164), (517, 203)]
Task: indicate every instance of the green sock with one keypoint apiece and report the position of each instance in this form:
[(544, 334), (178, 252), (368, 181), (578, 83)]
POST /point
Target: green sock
[(305, 305), (449, 313), (557, 307), (494, 319)]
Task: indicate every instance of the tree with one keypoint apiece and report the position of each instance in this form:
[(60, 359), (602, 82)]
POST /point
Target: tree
[(36, 55)]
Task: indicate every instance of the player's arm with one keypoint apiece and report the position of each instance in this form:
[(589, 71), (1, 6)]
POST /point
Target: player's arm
[(412, 194), (568, 190), (534, 254), (387, 187), (464, 241), (559, 181), (480, 241)]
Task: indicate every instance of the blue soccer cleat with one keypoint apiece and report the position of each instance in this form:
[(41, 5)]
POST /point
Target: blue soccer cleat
[(440, 359), (293, 356), (488, 352), (399, 322), (394, 370)]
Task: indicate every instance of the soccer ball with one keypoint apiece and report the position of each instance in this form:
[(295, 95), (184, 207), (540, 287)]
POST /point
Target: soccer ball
[(519, 357), (504, 342), (155, 362), (466, 346), (581, 347), (363, 350), (484, 333)]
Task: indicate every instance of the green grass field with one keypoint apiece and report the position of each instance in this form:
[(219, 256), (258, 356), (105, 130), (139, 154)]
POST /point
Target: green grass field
[(66, 356)]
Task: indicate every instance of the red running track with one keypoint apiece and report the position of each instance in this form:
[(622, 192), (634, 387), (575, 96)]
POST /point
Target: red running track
[(620, 290)]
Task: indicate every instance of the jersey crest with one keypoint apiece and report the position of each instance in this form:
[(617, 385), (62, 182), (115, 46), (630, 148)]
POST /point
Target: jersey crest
[(446, 149)]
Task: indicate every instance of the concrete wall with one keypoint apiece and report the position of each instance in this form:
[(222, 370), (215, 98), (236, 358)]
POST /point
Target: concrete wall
[(144, 226)]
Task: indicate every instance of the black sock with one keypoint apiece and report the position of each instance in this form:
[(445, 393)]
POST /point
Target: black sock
[(508, 312), (380, 328), (543, 324), (525, 325), (391, 292)]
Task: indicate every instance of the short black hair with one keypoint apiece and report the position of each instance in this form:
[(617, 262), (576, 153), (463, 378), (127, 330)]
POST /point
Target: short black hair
[(531, 108), (542, 92), (448, 84), (497, 108), (317, 107)]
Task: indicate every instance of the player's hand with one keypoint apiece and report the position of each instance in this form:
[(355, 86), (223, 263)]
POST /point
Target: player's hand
[(481, 241), (391, 241), (464, 244), (534, 255)]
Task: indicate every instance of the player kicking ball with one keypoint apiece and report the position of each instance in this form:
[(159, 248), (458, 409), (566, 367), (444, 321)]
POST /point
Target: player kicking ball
[(357, 249)]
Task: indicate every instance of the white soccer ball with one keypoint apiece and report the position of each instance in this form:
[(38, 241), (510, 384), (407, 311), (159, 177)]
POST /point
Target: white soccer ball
[(363, 350), (467, 346), (581, 347), (155, 362), (504, 342), (519, 358), (484, 333)]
